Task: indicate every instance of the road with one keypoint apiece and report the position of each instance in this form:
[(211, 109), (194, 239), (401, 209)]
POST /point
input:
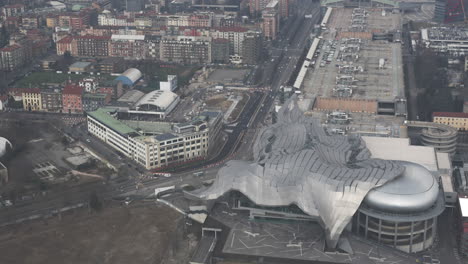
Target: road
[(285, 54)]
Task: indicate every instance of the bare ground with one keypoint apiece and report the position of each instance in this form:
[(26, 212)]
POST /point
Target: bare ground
[(141, 233)]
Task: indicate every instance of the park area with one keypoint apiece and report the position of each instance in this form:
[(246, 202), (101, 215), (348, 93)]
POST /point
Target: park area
[(37, 79)]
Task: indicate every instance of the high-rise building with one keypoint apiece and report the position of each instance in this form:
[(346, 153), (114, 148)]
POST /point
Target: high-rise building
[(220, 50), (270, 24), (185, 49), (252, 48)]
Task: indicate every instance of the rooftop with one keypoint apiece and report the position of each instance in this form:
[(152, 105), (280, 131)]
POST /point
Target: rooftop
[(72, 89), (450, 114), (103, 115), (400, 149), (80, 64)]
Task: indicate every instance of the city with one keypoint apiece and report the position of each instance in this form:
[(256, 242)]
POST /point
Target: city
[(234, 131)]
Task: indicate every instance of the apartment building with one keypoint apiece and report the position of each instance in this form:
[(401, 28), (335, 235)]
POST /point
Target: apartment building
[(106, 18), (51, 100), (93, 101), (185, 49), (235, 35), (190, 20), (92, 46), (31, 21), (72, 98), (453, 119), (13, 10), (74, 21), (128, 47), (220, 50), (12, 57), (65, 44), (32, 99), (271, 20), (151, 146), (252, 48)]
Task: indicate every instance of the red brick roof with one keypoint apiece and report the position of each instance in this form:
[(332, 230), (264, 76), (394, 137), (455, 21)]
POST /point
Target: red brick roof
[(450, 114), (94, 37), (65, 40), (234, 29), (72, 89), (10, 48), (14, 6)]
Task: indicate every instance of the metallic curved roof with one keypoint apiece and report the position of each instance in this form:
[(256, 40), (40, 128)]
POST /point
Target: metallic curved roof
[(161, 99), (130, 76), (414, 190), (3, 146), (296, 162)]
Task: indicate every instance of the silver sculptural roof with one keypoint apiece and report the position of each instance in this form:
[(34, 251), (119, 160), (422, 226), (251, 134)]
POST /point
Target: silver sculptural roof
[(297, 162), (415, 190)]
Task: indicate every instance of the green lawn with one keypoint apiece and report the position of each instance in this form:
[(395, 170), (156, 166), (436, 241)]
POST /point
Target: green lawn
[(38, 79)]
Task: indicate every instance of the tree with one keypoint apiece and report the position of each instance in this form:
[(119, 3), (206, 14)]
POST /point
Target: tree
[(4, 37), (95, 202)]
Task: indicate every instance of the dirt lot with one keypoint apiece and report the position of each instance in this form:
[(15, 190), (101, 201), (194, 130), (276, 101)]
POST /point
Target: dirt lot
[(142, 232), (218, 101)]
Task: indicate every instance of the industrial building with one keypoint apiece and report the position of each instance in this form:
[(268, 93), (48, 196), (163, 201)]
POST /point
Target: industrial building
[(130, 77), (158, 103), (151, 144)]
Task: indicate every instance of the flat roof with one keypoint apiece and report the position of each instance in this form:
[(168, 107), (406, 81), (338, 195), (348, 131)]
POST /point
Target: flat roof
[(80, 64), (400, 149), (102, 115), (383, 84), (149, 126)]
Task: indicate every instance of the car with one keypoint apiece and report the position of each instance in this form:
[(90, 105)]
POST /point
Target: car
[(88, 140)]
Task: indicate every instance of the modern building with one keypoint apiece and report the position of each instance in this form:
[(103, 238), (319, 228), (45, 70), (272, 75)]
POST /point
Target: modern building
[(72, 99), (382, 189), (32, 99), (443, 138), (185, 49), (453, 119), (153, 145), (51, 100), (170, 85)]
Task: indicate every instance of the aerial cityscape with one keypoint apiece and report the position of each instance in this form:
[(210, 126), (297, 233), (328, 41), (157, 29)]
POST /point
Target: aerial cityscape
[(234, 131)]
